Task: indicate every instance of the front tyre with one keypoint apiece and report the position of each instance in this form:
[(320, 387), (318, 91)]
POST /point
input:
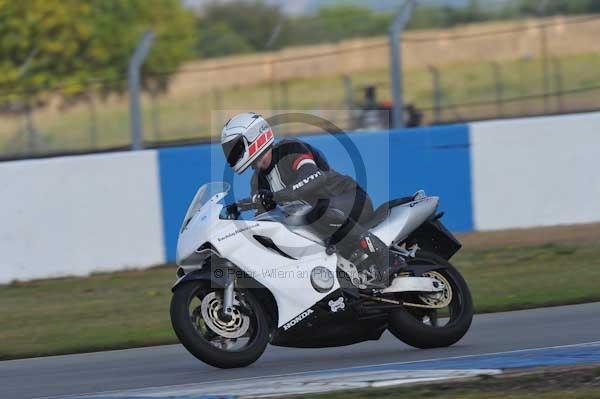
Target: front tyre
[(423, 327), (198, 321)]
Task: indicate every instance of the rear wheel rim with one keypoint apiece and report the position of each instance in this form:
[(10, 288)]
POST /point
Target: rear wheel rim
[(442, 298), (450, 314)]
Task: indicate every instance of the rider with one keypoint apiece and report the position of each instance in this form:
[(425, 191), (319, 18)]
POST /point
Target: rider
[(292, 170)]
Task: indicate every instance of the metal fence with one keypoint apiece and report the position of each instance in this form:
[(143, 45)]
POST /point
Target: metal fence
[(531, 67)]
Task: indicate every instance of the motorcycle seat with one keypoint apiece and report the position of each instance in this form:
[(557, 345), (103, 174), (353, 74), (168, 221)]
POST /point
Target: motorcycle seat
[(383, 210)]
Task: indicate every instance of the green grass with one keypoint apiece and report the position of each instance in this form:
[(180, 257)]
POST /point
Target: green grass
[(578, 383), (414, 393), (520, 278), (191, 117), (131, 308)]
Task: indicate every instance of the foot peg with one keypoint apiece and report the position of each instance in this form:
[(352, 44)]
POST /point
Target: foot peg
[(373, 278)]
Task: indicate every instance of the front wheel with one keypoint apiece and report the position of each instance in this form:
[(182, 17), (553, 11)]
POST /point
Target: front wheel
[(439, 319), (209, 335)]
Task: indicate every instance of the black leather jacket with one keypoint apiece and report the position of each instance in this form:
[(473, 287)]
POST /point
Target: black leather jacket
[(299, 172)]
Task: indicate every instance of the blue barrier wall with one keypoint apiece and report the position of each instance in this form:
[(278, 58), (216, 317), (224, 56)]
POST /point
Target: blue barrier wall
[(388, 164), (146, 193), (436, 159)]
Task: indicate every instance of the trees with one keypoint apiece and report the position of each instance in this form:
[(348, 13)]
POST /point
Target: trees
[(218, 39), (41, 47), (67, 48), (336, 23), (245, 26), (536, 7), (364, 22)]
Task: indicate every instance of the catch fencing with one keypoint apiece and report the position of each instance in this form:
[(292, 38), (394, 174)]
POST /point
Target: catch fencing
[(475, 72)]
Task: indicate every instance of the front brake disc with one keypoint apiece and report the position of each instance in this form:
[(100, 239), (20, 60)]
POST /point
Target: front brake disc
[(212, 309)]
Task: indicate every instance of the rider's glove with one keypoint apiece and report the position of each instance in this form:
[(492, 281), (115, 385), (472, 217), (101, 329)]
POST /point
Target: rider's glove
[(265, 199), (232, 211)]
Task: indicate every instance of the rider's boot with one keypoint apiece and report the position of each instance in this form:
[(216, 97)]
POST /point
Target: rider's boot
[(367, 252), (355, 243)]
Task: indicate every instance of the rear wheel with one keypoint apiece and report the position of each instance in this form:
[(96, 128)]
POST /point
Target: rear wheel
[(439, 319), (209, 335)]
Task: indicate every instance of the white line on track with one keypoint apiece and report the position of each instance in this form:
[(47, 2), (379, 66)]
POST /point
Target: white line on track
[(593, 343), (333, 370)]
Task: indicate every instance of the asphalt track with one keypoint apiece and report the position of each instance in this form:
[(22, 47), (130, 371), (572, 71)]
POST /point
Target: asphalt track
[(172, 365)]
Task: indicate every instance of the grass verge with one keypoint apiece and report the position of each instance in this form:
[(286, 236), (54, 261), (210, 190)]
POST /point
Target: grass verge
[(131, 308), (553, 383)]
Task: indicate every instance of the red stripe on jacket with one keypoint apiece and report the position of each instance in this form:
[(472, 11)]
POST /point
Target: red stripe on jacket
[(300, 159)]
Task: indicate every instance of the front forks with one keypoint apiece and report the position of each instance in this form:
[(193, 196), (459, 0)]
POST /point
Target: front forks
[(228, 298)]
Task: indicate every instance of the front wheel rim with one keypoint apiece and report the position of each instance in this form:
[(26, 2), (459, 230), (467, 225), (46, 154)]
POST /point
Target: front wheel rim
[(235, 326), (205, 315)]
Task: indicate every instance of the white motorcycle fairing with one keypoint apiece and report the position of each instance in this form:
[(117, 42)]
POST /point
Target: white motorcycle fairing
[(287, 279), (404, 219), (285, 267)]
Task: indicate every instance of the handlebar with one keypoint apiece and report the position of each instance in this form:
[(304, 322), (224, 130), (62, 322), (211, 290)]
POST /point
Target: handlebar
[(246, 204), (234, 209)]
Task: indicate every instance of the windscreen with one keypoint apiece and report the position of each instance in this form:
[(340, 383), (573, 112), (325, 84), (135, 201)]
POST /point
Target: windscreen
[(203, 195)]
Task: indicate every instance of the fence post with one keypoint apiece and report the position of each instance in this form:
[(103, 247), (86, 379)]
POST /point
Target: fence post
[(396, 62), (546, 83), (348, 95), (437, 93), (93, 121), (273, 95), (349, 99), (285, 94), (284, 103), (135, 65), (523, 64), (30, 128), (32, 135), (155, 115), (499, 87), (541, 9), (218, 106), (275, 33), (558, 82)]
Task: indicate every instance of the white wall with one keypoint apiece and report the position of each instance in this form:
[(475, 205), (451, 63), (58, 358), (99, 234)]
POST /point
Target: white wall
[(536, 172), (81, 214)]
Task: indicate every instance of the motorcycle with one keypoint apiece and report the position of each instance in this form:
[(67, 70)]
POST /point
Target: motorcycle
[(245, 282)]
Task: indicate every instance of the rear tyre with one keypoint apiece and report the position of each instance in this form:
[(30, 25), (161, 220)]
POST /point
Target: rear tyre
[(196, 319), (409, 324)]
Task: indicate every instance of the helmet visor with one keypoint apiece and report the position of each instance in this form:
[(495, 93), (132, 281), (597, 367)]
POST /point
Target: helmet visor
[(234, 150)]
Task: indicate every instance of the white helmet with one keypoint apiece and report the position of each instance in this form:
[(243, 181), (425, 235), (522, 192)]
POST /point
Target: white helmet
[(244, 138)]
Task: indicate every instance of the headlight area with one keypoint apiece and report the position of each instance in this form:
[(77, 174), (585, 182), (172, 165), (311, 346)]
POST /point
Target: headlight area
[(196, 260), (322, 279)]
